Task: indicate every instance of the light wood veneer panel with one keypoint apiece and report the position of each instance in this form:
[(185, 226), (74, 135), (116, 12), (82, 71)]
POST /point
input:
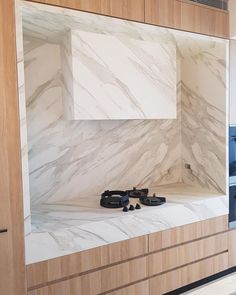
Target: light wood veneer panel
[(232, 248), (141, 288), (185, 233), (164, 13), (187, 253), (187, 15), (128, 9), (75, 264), (204, 19), (186, 275), (99, 281), (12, 260)]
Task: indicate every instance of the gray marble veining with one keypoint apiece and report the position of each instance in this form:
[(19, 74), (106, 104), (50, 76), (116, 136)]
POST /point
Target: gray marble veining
[(61, 229)]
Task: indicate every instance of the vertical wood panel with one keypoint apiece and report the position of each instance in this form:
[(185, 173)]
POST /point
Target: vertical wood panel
[(128, 9), (12, 262), (232, 248), (187, 15), (164, 13)]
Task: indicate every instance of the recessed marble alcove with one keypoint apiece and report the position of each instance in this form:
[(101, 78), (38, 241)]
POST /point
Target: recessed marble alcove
[(72, 161)]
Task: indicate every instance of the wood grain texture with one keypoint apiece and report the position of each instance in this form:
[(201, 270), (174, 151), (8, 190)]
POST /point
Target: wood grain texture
[(12, 260), (183, 234), (188, 253), (141, 288), (127, 9), (164, 13), (100, 281), (75, 264), (186, 275), (189, 16), (204, 19), (232, 247)]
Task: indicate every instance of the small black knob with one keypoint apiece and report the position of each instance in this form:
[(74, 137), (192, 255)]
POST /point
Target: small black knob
[(125, 209), (134, 188), (131, 207), (154, 195), (137, 206)]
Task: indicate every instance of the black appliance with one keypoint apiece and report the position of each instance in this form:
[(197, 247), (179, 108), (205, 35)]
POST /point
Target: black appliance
[(119, 199), (114, 199), (232, 176), (137, 193), (152, 200)]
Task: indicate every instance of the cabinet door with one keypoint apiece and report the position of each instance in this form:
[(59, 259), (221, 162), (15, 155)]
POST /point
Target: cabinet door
[(232, 248), (164, 13), (128, 9), (12, 262), (204, 19), (187, 15)]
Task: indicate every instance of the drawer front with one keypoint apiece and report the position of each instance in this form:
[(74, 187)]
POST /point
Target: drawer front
[(75, 264), (186, 275), (100, 281), (186, 233), (175, 257), (141, 288)]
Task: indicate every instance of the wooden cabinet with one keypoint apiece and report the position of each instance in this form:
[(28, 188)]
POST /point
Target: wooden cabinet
[(187, 253), (189, 16), (188, 274), (12, 262), (128, 9), (163, 13), (204, 19), (132, 266), (232, 247)]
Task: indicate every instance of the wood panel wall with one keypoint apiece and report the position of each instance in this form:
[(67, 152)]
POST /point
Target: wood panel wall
[(12, 260)]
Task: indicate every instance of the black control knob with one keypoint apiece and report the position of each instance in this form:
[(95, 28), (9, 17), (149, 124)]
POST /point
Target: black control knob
[(131, 207), (137, 206), (154, 195), (125, 209)]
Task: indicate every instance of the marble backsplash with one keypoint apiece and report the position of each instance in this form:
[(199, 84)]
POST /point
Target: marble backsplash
[(114, 66), (203, 117), (89, 156), (71, 159)]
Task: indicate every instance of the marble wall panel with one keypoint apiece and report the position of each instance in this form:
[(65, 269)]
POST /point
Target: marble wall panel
[(79, 159), (119, 78), (203, 112), (69, 160)]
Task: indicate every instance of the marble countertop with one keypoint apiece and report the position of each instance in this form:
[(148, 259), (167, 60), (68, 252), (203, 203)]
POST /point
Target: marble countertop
[(65, 228)]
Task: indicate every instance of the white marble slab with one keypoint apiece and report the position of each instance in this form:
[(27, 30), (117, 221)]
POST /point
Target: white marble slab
[(61, 229), (106, 71)]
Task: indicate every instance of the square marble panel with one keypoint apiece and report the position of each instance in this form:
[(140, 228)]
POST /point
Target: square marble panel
[(116, 77)]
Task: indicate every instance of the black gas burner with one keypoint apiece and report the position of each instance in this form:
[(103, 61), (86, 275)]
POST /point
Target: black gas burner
[(152, 200), (137, 193), (114, 199)]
